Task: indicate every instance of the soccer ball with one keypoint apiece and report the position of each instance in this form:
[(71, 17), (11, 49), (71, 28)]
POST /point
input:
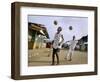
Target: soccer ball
[(55, 22), (70, 27)]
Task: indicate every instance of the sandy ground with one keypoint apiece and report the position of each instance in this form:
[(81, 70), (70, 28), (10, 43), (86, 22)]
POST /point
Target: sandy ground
[(43, 57)]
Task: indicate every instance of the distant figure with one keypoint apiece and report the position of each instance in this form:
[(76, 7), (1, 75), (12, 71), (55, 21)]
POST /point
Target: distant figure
[(71, 49), (56, 44)]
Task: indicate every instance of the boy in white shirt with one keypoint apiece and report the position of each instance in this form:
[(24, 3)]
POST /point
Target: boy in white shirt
[(57, 43), (71, 49)]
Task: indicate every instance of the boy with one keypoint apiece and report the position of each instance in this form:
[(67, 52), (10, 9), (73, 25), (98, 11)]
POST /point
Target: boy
[(57, 43), (71, 49)]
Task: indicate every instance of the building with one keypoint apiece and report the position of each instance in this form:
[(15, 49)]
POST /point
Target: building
[(83, 43), (36, 35)]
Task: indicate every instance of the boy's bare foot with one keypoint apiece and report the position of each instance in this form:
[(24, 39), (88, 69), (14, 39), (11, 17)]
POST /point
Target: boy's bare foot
[(52, 64), (57, 64), (69, 59), (65, 58)]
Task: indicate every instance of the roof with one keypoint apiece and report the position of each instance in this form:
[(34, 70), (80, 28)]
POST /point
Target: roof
[(40, 28)]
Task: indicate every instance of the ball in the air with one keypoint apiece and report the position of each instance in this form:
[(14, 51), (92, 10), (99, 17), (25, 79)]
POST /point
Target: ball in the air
[(55, 22), (70, 27)]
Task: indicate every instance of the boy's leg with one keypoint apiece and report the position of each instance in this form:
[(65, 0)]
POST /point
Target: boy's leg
[(53, 57), (70, 57), (68, 54), (71, 53), (57, 56)]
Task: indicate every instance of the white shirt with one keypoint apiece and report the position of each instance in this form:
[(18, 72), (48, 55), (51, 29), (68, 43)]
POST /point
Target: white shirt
[(73, 44), (57, 40)]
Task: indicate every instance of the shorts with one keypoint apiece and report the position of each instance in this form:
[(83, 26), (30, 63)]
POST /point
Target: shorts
[(56, 50)]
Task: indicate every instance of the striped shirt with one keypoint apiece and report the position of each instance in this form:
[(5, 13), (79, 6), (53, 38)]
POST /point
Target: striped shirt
[(57, 40)]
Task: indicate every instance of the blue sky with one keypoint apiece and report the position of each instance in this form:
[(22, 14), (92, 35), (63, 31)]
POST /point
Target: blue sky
[(79, 24)]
